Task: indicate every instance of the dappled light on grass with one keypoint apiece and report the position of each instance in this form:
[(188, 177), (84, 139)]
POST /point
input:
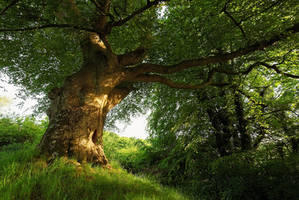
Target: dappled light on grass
[(27, 177)]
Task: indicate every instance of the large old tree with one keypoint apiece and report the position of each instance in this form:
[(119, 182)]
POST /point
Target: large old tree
[(89, 55)]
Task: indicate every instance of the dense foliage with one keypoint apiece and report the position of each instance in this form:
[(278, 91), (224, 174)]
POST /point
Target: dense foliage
[(129, 152), (19, 131), (264, 173), (40, 60)]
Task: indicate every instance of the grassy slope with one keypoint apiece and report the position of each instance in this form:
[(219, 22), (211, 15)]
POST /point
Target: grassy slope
[(25, 177)]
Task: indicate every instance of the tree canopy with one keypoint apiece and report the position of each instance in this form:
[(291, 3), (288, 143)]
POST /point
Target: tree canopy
[(244, 46)]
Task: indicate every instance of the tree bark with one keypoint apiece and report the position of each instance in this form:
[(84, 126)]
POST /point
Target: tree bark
[(221, 123), (242, 124), (78, 109)]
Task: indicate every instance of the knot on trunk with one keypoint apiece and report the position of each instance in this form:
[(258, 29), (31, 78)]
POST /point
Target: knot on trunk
[(87, 151)]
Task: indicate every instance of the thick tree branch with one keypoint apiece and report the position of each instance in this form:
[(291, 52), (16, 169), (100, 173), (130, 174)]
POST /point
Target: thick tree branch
[(14, 2), (99, 9), (242, 122), (48, 26), (104, 9), (103, 5), (117, 95), (137, 12), (220, 58), (153, 78), (133, 57)]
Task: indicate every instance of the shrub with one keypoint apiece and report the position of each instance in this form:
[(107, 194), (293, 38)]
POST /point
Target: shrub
[(129, 152), (19, 131), (252, 176)]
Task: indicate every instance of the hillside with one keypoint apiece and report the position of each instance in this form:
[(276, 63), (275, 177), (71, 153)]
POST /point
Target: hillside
[(24, 175)]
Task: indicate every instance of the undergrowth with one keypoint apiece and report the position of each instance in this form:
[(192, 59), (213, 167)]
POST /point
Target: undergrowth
[(260, 174), (24, 175)]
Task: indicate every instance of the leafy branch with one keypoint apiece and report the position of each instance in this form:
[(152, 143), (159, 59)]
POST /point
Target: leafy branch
[(100, 10), (209, 81), (276, 3), (14, 2), (161, 79), (137, 12), (220, 58), (238, 24), (251, 67), (48, 26), (147, 72)]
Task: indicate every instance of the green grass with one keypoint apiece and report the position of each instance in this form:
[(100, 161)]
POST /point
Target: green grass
[(129, 152), (23, 176)]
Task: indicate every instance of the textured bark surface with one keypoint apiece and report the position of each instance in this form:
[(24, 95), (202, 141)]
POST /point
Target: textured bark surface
[(223, 133), (74, 133), (242, 124), (79, 108)]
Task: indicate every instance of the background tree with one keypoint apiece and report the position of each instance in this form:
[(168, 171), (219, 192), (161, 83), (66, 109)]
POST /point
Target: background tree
[(89, 55)]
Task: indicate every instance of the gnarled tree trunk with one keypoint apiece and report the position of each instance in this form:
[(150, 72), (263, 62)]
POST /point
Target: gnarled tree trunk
[(78, 109)]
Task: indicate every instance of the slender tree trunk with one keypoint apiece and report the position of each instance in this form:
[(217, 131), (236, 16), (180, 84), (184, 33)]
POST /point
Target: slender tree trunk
[(221, 123), (242, 124), (78, 109)]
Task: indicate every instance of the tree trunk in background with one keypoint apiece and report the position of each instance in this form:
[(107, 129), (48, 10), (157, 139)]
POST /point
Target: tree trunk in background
[(78, 109), (221, 123), (242, 123)]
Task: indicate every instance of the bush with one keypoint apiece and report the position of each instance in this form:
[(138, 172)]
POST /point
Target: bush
[(19, 131), (252, 176), (129, 152)]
